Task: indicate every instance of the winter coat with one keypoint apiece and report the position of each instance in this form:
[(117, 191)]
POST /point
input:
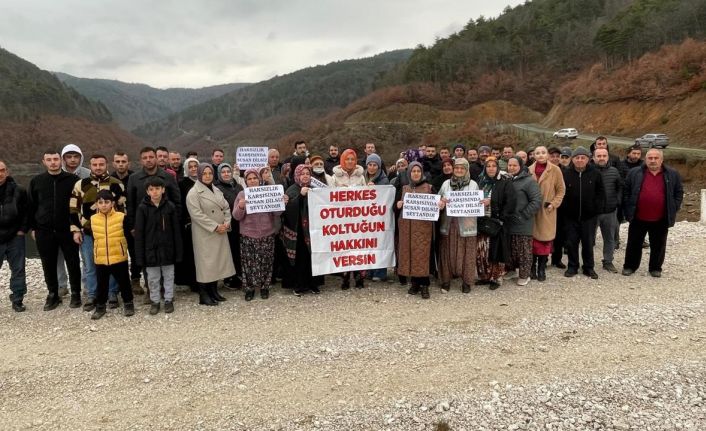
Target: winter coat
[(84, 196), (672, 187), (585, 194), (208, 209), (380, 179), (109, 242), (432, 166), (341, 178), (330, 163), (613, 188), (466, 225), (257, 225), (49, 197), (528, 200), (296, 220), (415, 236), (136, 192), (14, 215), (158, 239), (502, 206), (551, 185)]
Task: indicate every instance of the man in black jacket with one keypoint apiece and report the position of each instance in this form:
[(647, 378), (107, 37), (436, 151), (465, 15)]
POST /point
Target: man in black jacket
[(13, 227), (652, 196), (607, 219), (333, 160), (431, 162), (582, 202), (49, 196), (136, 192)]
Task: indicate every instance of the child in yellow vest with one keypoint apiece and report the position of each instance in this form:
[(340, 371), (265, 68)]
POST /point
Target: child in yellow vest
[(110, 254)]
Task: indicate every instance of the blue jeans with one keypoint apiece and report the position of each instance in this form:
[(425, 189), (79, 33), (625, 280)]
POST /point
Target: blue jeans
[(89, 270), (14, 251)]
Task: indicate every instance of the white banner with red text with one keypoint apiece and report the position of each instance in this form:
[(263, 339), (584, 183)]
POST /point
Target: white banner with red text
[(351, 228)]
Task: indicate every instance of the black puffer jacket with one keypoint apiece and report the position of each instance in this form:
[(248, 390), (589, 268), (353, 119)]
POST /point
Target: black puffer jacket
[(585, 195), (13, 210), (157, 234), (49, 197), (613, 187)]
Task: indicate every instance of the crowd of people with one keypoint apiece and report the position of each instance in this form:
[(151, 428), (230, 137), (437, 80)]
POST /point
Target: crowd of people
[(100, 231)]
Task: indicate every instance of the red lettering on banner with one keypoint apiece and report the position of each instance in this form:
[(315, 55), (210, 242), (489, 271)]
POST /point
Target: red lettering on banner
[(354, 244), (344, 261)]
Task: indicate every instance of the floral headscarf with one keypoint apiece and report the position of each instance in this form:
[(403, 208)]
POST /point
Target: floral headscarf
[(298, 174), (458, 183)]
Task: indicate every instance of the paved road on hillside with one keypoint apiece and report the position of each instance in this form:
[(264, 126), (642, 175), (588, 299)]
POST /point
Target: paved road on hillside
[(612, 140)]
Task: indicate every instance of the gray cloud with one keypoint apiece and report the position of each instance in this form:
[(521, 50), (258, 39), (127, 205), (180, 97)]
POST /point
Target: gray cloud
[(192, 44)]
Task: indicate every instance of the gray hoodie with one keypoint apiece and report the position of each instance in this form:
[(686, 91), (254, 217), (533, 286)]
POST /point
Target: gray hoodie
[(81, 172)]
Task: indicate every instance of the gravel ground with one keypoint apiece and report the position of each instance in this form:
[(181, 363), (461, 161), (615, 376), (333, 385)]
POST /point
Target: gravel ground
[(616, 353)]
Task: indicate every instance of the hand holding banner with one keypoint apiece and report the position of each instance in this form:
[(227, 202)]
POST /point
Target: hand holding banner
[(465, 204), (251, 157), (421, 206), (264, 199)]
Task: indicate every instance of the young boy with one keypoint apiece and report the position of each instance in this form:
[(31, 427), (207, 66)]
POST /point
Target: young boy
[(158, 242), (110, 254)]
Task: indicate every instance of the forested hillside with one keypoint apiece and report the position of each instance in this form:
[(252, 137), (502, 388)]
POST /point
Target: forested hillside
[(27, 91), (133, 105), (312, 91)]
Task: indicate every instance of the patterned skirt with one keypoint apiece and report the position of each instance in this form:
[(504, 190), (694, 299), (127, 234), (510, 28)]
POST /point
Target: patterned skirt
[(457, 256), (521, 255), (487, 270), (257, 255)]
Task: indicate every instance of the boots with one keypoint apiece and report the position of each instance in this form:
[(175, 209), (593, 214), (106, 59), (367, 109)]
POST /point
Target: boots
[(465, 288), (154, 308), (98, 312), (425, 291), (204, 297), (359, 281), (533, 269), (249, 295), (264, 293), (346, 283), (128, 309), (137, 288), (414, 289), (53, 301), (213, 291), (75, 300), (542, 268)]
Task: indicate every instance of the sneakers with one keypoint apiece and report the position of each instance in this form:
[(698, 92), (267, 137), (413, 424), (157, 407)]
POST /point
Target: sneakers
[(113, 301), (445, 287), (656, 274), (628, 271), (154, 308), (523, 281), (315, 290), (53, 301), (376, 279), (168, 307), (510, 275), (570, 272), (610, 268), (128, 309), (137, 287), (75, 300), (89, 305), (590, 273)]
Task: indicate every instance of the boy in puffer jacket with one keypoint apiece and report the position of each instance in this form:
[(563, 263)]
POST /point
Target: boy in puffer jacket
[(110, 254)]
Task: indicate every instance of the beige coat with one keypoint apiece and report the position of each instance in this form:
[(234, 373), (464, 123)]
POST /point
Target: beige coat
[(551, 184), (212, 255), (340, 178)]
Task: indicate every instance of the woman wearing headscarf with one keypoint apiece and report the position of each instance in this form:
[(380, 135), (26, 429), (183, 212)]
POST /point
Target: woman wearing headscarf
[(349, 174), (551, 184), (185, 272), (447, 169), (293, 163), (256, 241), (528, 200), (295, 231), (230, 188), (415, 237), (457, 256), (210, 222), (499, 201), (375, 176)]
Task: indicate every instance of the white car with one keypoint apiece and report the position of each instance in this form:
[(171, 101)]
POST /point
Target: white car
[(566, 133)]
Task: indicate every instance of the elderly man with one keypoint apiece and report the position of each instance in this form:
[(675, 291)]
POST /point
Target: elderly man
[(652, 196), (582, 202), (14, 224)]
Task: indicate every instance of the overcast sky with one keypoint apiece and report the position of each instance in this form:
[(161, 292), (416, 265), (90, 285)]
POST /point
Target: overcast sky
[(208, 42)]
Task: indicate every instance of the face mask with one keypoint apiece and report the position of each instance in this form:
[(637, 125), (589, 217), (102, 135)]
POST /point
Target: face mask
[(318, 170)]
